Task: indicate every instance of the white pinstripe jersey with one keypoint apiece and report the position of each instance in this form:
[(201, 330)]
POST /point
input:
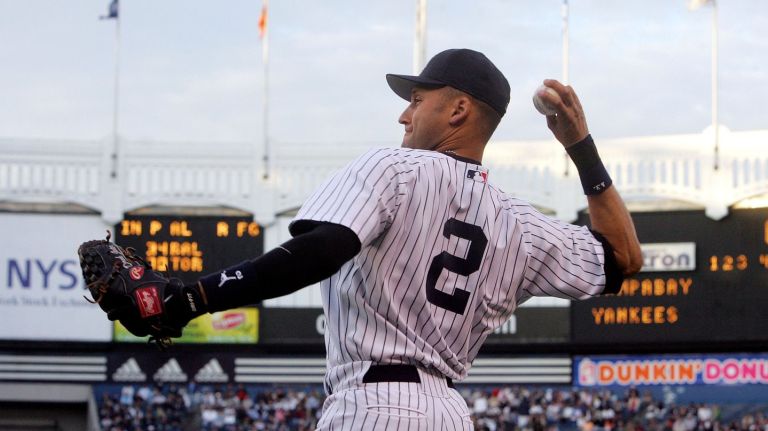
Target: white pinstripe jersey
[(446, 258)]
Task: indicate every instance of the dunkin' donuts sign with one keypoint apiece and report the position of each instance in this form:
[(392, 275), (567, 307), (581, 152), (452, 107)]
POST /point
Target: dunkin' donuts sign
[(671, 370)]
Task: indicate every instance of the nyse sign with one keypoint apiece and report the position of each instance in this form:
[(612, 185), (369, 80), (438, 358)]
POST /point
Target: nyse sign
[(42, 287)]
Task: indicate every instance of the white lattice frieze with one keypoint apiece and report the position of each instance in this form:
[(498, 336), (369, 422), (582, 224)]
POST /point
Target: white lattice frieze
[(644, 168)]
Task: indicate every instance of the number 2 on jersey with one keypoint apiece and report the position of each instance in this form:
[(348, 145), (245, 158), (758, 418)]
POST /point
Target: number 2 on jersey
[(456, 302)]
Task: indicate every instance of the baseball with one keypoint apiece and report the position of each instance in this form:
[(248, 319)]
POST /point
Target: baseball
[(542, 106)]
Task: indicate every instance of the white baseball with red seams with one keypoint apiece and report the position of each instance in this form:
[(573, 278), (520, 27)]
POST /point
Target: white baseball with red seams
[(542, 106)]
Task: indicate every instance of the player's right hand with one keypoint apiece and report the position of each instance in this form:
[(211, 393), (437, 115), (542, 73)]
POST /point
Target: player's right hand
[(569, 125)]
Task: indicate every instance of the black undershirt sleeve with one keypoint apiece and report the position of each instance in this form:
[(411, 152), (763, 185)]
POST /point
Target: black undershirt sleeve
[(311, 256), (613, 275)]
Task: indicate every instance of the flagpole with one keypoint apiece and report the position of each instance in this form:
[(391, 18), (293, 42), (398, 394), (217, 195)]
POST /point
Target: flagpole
[(566, 52), (692, 6), (420, 37), (715, 122), (116, 98), (266, 157), (565, 64)]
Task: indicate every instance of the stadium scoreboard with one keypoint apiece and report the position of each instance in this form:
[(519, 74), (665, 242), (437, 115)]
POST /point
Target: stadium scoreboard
[(702, 281), (191, 246)]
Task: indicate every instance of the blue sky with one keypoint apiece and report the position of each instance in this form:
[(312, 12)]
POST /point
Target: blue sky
[(192, 70)]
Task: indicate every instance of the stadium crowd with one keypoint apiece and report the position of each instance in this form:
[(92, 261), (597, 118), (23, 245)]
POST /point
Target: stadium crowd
[(237, 408)]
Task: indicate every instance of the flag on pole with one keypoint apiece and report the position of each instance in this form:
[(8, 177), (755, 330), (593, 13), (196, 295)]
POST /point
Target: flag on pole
[(114, 11), (262, 21), (695, 4)]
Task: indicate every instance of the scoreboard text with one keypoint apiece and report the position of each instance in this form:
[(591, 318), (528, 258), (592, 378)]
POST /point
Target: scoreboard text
[(191, 246), (722, 298)]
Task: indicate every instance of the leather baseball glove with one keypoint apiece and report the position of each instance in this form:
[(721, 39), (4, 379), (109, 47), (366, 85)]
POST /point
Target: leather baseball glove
[(126, 287)]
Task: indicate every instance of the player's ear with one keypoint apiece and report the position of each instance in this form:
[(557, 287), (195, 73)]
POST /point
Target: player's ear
[(460, 110)]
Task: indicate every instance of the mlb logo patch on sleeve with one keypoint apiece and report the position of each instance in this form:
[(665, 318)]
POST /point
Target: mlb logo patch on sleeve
[(477, 175)]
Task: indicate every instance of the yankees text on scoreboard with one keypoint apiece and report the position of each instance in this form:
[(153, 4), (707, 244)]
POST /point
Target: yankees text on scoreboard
[(702, 281)]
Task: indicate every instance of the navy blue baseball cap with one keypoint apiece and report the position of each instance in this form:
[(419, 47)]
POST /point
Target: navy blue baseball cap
[(463, 69)]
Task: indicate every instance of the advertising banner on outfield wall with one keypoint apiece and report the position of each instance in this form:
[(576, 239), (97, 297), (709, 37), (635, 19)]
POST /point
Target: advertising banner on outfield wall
[(297, 326), (723, 369), (41, 285), (142, 367), (307, 326), (239, 325)]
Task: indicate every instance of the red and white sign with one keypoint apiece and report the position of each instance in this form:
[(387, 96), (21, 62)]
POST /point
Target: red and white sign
[(228, 321), (149, 301), (685, 370), (136, 272)]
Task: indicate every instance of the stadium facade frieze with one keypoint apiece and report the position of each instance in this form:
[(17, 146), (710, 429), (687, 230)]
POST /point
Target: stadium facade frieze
[(644, 168)]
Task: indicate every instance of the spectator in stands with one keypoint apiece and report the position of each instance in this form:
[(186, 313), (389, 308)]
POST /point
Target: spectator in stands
[(230, 408)]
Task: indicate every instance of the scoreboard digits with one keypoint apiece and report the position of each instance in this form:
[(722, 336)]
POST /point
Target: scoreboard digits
[(728, 263)]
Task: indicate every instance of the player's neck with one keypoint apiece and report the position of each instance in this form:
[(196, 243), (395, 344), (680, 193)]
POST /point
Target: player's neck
[(463, 142), (462, 158), (465, 153)]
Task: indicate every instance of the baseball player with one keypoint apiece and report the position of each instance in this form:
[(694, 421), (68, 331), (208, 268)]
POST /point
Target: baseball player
[(421, 256)]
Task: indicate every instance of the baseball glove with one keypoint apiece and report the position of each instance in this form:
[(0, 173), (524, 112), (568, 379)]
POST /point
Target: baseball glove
[(127, 288)]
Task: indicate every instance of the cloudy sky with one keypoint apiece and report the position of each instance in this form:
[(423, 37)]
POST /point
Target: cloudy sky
[(192, 69)]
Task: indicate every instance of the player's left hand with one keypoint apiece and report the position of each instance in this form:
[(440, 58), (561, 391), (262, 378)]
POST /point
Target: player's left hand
[(127, 288), (569, 125)]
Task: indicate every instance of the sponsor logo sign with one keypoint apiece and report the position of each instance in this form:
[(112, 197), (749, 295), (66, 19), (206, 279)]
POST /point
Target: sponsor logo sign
[(228, 320), (171, 371), (120, 256), (146, 366), (212, 372), (669, 256), (41, 284), (671, 370), (129, 371), (479, 176), (148, 301), (308, 326), (240, 325), (136, 272)]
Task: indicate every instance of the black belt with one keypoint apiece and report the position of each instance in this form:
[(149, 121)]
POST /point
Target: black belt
[(379, 373)]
